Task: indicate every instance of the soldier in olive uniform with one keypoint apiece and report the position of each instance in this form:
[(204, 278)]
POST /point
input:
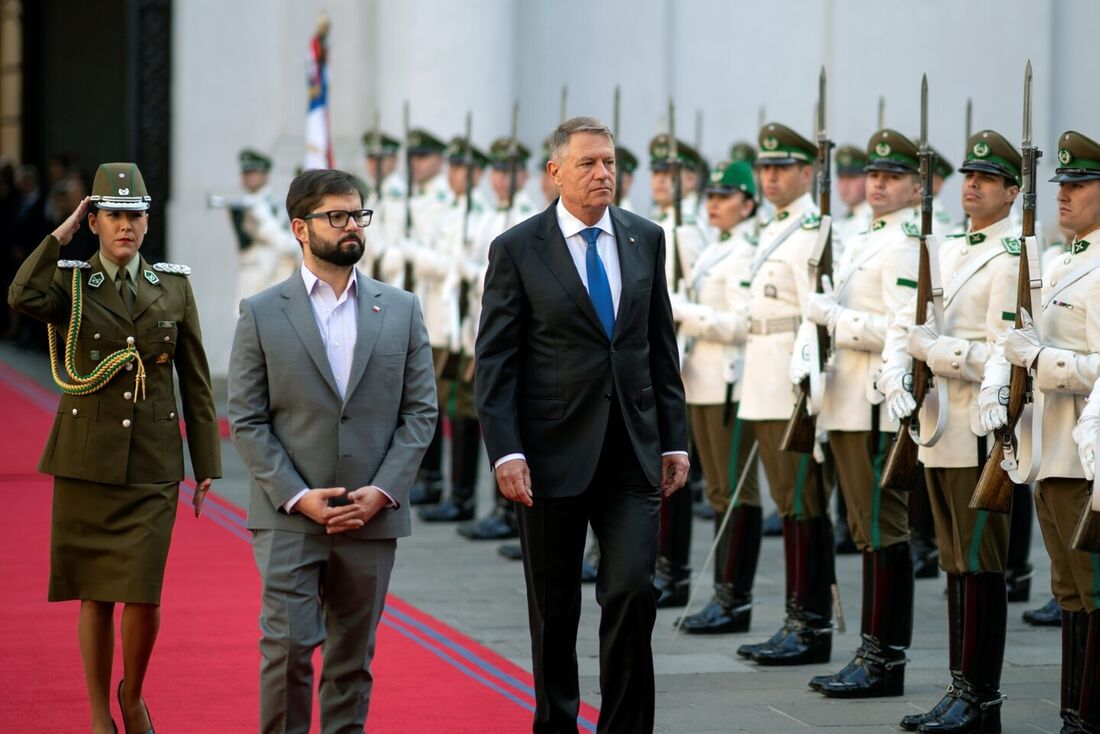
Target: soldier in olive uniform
[(875, 277), (779, 286), (978, 269), (1063, 355), (115, 450)]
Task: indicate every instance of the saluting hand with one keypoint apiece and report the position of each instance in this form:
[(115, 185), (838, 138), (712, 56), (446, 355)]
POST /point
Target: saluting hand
[(674, 473), (200, 495), (514, 480), (65, 231)]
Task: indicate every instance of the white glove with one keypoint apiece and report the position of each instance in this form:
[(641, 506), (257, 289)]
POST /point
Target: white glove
[(1022, 346), (681, 306), (899, 401), (992, 414), (1084, 433), (923, 337), (799, 368), (822, 308)]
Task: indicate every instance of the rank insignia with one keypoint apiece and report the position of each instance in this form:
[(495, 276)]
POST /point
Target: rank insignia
[(1011, 245), (162, 358), (780, 216), (977, 238), (910, 229), (152, 277), (95, 355), (877, 225), (165, 324), (96, 280)]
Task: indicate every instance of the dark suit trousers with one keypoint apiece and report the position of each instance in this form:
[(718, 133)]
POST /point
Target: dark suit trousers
[(623, 509)]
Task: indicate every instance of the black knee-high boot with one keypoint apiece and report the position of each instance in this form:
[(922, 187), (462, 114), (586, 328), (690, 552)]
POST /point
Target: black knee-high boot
[(956, 612), (735, 568), (428, 487), (1018, 571)]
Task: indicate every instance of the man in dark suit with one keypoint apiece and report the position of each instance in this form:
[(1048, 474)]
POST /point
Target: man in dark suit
[(582, 407)]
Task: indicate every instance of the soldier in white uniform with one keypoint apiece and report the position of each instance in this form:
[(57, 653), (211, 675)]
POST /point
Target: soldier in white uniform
[(683, 244), (267, 252), (942, 224), (978, 269), (875, 278), (439, 276), (508, 180), (386, 197), (715, 317), (851, 189), (626, 164), (1066, 365), (780, 285)]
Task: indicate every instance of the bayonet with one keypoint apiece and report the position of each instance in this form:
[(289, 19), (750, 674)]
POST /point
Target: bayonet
[(881, 112), (513, 155), (564, 110), (615, 135)]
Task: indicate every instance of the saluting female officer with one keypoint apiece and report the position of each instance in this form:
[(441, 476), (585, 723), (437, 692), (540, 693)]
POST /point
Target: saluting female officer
[(115, 450)]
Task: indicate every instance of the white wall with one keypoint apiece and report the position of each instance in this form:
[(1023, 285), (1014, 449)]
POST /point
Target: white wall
[(240, 68)]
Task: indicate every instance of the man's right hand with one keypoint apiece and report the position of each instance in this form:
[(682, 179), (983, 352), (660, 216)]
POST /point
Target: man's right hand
[(314, 505), (514, 480)]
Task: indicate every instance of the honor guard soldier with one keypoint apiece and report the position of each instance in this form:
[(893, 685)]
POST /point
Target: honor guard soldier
[(130, 329), (385, 196), (267, 251), (1062, 356), (941, 218), (547, 186), (443, 273), (851, 188), (508, 180), (875, 279), (626, 164), (714, 318), (978, 269), (745, 151), (779, 287)]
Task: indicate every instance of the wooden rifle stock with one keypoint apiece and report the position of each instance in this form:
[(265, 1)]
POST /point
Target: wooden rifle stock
[(1086, 536)]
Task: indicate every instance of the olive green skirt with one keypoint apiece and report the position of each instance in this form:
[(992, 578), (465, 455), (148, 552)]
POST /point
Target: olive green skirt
[(109, 542)]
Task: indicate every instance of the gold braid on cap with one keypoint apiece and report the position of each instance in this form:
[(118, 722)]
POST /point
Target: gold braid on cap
[(105, 371)]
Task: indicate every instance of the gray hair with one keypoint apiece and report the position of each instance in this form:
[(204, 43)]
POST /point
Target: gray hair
[(559, 139)]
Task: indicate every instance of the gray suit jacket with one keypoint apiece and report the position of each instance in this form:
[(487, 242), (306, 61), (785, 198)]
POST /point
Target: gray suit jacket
[(290, 425)]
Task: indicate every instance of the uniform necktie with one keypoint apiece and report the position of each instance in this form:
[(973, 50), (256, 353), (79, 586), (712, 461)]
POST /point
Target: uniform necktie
[(125, 290), (599, 290)]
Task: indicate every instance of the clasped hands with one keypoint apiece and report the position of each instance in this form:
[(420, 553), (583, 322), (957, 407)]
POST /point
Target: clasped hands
[(364, 504)]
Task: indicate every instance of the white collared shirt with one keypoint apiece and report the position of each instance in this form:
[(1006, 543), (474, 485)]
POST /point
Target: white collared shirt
[(571, 228), (337, 320)]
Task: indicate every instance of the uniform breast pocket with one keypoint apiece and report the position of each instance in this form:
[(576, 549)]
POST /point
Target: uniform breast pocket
[(160, 340)]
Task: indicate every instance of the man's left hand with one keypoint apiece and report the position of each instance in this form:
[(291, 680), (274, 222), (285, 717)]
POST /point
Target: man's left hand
[(1022, 346), (674, 473), (200, 495), (365, 504)]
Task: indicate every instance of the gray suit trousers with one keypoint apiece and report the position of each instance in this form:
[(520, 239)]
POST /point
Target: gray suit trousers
[(324, 590)]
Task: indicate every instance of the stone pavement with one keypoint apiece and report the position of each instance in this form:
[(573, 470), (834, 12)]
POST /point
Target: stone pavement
[(702, 685)]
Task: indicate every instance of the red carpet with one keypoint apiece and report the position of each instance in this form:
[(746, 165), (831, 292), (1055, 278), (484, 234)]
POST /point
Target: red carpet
[(428, 677)]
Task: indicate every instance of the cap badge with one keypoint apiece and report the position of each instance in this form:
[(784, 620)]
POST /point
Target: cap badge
[(96, 280), (981, 149), (716, 175), (123, 192), (770, 143), (1064, 156), (883, 149)]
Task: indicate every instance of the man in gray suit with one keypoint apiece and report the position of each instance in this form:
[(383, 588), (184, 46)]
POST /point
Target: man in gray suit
[(332, 404)]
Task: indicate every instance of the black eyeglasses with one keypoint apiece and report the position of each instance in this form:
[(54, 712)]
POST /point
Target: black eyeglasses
[(339, 219)]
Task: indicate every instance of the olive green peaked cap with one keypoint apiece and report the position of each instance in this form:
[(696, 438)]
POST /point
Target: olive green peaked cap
[(253, 160), (456, 153), (422, 142), (500, 153), (660, 149), (850, 160), (940, 165), (1078, 158), (782, 146), (987, 151), (888, 150), (625, 160), (119, 186), (379, 143), (742, 151), (733, 176)]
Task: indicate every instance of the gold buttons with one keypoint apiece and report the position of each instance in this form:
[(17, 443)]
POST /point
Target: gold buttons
[(127, 395), (125, 422), (75, 411), (954, 365), (958, 352), (96, 336), (167, 338)]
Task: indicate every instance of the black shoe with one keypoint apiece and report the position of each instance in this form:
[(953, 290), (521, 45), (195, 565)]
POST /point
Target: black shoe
[(913, 721), (970, 711), (1048, 615), (497, 526), (808, 645), (874, 673), (427, 490), (448, 511), (1018, 583), (773, 526), (118, 694), (721, 615), (511, 551), (819, 680), (673, 584)]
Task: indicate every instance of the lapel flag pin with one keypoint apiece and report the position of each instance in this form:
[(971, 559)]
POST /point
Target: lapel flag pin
[(376, 309)]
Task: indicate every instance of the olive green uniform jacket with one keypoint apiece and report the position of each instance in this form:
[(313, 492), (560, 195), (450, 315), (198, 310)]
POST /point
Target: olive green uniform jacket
[(107, 436)]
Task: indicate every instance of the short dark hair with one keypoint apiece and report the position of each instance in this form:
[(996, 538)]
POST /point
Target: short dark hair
[(310, 187)]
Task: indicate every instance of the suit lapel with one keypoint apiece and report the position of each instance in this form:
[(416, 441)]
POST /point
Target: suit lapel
[(631, 266), (555, 254), (367, 330), (147, 293), (105, 294), (300, 314)]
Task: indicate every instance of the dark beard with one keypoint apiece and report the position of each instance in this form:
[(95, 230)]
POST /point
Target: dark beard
[(334, 252)]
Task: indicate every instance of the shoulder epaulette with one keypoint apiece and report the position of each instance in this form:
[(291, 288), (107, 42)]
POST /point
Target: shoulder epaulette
[(70, 264), (1011, 244), (910, 229), (173, 268), (812, 221)]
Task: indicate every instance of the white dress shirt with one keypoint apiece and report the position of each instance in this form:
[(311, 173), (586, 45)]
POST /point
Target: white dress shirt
[(608, 250)]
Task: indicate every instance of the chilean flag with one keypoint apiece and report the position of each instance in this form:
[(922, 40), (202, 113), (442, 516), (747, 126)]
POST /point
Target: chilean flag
[(318, 138)]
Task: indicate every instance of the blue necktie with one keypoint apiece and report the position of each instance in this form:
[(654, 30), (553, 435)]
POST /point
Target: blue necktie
[(599, 290)]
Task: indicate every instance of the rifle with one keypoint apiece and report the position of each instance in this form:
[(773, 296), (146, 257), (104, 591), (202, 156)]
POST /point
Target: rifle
[(899, 471), (966, 141), (677, 198), (881, 112), (800, 432), (1025, 405), (410, 275), (513, 162), (450, 369), (1086, 536), (615, 134), (374, 153), (564, 103)]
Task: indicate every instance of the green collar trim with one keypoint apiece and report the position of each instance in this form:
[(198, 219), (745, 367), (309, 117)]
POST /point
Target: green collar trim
[(1077, 246), (724, 235), (976, 239), (780, 216), (877, 225)]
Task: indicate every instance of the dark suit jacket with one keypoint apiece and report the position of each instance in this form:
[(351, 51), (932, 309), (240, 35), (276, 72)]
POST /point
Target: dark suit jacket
[(546, 371)]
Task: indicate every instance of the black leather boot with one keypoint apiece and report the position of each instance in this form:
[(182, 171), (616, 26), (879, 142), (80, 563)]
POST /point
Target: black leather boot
[(1074, 639), (866, 611), (790, 563), (956, 603), (1018, 571), (725, 612), (1048, 615), (977, 706), (1089, 710), (427, 488), (812, 641), (673, 583), (501, 525), (674, 547), (465, 451)]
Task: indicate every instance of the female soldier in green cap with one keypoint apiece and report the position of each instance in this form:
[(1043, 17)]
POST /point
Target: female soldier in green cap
[(115, 450)]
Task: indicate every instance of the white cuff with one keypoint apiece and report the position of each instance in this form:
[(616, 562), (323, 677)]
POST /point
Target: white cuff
[(289, 504), (506, 458)]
